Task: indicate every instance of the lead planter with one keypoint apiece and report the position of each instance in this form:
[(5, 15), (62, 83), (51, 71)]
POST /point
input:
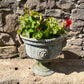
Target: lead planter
[(44, 51)]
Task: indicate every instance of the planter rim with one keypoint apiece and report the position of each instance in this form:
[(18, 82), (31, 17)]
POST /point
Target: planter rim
[(42, 40)]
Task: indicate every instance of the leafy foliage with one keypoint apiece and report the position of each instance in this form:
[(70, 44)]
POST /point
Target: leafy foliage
[(35, 26)]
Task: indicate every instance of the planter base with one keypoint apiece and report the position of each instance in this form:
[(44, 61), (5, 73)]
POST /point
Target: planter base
[(43, 69)]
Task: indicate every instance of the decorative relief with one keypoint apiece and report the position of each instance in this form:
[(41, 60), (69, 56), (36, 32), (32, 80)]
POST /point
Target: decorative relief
[(42, 53)]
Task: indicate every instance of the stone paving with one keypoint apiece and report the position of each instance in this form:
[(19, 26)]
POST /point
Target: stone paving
[(19, 71)]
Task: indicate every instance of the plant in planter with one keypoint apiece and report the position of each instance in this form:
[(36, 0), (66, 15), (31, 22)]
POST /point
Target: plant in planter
[(43, 39)]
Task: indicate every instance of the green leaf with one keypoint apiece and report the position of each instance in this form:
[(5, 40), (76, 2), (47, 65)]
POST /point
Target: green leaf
[(27, 27), (22, 23), (33, 24), (19, 31), (30, 19), (31, 30), (38, 35), (55, 31), (46, 34), (28, 34), (21, 18), (37, 25), (26, 16)]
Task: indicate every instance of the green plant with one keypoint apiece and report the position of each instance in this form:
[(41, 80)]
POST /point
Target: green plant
[(35, 26)]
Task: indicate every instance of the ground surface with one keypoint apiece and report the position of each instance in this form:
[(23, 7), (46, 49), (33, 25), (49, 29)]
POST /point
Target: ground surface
[(18, 71)]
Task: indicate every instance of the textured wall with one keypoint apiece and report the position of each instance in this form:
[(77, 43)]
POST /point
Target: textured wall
[(10, 10)]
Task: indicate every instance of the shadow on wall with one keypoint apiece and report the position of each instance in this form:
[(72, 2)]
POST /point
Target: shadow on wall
[(22, 2), (67, 66), (70, 55)]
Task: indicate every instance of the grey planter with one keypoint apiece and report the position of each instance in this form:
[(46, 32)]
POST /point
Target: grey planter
[(43, 51)]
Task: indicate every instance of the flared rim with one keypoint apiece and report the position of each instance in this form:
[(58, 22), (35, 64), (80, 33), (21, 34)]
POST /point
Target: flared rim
[(43, 40)]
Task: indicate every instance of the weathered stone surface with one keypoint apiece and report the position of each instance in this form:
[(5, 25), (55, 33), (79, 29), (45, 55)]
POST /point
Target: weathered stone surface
[(83, 48), (7, 3), (10, 82), (60, 9), (83, 30), (17, 39), (77, 42), (71, 34), (83, 42), (41, 7), (4, 5), (77, 19), (68, 71), (6, 39), (32, 4), (72, 50), (65, 14), (80, 35), (65, 4), (56, 13), (0, 19), (19, 11), (38, 5), (53, 12), (51, 4), (5, 10), (1, 23), (1, 43), (82, 53), (81, 1), (77, 14), (8, 52), (11, 23), (81, 6), (22, 51), (77, 25)]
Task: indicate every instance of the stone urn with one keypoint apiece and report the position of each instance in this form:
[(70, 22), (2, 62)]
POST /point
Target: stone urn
[(44, 51)]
